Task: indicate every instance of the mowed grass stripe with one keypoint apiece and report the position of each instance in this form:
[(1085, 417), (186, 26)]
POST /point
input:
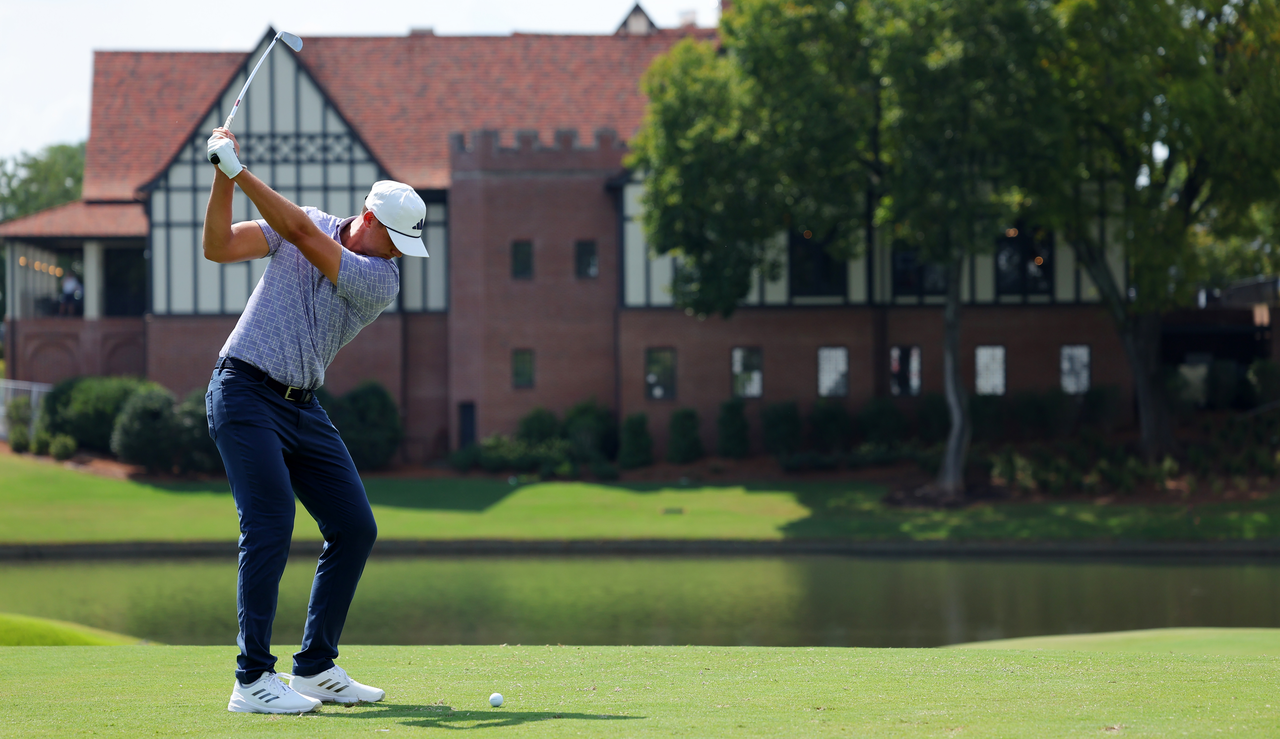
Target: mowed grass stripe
[(29, 631), (1229, 642), (659, 691), (46, 503)]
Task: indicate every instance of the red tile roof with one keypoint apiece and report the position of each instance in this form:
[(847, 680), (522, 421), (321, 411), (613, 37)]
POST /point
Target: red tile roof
[(145, 105), (80, 220), (404, 95)]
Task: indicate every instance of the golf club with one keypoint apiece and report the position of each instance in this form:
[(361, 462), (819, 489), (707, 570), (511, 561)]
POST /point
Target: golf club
[(290, 40)]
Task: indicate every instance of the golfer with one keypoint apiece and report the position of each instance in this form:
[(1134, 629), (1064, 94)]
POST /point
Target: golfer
[(328, 278)]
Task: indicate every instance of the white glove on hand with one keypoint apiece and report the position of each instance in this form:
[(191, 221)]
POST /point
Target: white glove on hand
[(222, 152)]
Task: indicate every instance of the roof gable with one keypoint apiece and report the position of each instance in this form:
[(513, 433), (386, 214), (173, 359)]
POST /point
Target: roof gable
[(144, 106)]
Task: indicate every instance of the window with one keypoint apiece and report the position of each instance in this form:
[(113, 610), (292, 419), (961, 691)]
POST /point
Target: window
[(660, 374), (1024, 262), (814, 273), (1075, 369), (522, 260), (912, 276), (522, 368), (748, 372), (586, 264), (990, 370), (904, 370), (833, 372)]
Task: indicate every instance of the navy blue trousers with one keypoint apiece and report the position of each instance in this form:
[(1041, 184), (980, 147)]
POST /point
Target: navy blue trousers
[(273, 449)]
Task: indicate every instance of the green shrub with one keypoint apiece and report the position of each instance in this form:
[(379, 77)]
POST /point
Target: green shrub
[(89, 413), (636, 446), (146, 432), (684, 444), (539, 426), (732, 437), (369, 422), (1043, 415), (782, 428), (988, 417), (40, 442), (466, 458), (808, 461), (54, 403), (62, 447), (1100, 407), (19, 439), (876, 455), (18, 411), (1264, 375), (605, 471), (882, 422), (503, 454), (830, 426), (197, 451), (933, 418), (591, 429)]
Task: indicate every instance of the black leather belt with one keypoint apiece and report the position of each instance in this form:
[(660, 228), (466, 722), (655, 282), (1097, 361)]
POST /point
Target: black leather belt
[(297, 395)]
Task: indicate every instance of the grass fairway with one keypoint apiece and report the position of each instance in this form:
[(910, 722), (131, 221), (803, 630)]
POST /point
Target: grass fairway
[(1227, 642), (658, 691), (26, 631)]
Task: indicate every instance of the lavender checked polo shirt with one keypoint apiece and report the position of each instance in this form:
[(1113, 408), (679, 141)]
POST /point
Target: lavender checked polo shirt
[(297, 320)]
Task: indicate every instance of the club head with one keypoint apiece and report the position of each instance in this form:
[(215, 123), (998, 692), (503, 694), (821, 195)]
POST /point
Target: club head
[(293, 42)]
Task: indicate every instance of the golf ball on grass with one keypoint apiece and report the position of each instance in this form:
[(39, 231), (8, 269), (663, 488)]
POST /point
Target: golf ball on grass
[(495, 700)]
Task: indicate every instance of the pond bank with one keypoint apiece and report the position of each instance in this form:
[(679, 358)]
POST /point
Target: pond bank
[(1198, 550)]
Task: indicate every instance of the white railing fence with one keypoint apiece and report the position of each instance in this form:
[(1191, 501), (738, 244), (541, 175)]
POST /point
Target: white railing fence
[(10, 389)]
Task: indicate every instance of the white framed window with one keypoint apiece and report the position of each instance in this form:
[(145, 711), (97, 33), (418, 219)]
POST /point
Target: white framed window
[(833, 372), (1075, 369), (748, 372), (989, 361), (904, 370)]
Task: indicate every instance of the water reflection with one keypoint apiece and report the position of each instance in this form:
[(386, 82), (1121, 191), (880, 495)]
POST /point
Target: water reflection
[(780, 601)]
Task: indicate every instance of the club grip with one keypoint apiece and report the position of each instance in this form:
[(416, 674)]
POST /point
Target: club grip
[(213, 158)]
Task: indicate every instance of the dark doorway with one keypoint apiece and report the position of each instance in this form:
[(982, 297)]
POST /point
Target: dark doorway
[(466, 424), (125, 282)]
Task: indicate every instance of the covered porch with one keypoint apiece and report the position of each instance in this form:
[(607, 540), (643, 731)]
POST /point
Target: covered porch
[(76, 292)]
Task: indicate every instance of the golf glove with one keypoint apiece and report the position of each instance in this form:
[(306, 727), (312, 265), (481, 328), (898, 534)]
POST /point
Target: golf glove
[(222, 151)]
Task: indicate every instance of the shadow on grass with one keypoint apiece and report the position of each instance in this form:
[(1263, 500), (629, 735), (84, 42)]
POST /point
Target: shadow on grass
[(445, 717)]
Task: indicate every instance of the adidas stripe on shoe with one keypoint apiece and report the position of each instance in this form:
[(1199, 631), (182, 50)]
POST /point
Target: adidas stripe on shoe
[(333, 686), (268, 694)]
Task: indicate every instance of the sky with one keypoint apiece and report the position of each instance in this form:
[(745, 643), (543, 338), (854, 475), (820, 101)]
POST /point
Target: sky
[(47, 52)]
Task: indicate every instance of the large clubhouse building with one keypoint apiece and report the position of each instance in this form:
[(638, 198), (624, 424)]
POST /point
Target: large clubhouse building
[(540, 289)]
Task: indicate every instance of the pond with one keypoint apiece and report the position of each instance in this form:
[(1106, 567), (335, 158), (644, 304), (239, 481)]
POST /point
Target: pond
[(772, 601)]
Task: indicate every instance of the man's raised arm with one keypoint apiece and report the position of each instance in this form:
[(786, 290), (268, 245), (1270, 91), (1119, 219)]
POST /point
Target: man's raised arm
[(285, 218)]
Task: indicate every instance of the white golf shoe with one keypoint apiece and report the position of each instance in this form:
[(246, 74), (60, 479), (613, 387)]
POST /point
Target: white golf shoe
[(333, 686), (269, 695)]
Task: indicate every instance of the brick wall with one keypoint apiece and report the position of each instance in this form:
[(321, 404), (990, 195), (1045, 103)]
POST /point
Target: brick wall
[(54, 349), (789, 340), (552, 196)]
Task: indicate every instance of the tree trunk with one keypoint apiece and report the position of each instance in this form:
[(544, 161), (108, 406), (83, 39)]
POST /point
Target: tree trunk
[(1141, 338), (950, 483)]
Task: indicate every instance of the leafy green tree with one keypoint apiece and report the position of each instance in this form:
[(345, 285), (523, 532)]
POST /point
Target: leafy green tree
[(1172, 149)]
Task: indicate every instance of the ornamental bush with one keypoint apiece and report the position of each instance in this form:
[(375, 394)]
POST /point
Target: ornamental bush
[(40, 442), (19, 439), (197, 451), (369, 422), (782, 428), (684, 444), (732, 439), (591, 430), (882, 422), (933, 418), (636, 445), (538, 426), (146, 432), (830, 426), (90, 409), (62, 447), (18, 411)]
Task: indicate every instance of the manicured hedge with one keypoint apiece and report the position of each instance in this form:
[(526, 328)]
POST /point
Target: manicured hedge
[(684, 442), (783, 430), (636, 447), (369, 422), (733, 438), (145, 431)]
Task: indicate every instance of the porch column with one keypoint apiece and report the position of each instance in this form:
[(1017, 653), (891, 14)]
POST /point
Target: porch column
[(93, 277)]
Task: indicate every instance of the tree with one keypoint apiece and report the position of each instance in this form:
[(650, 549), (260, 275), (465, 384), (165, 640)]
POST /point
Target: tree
[(970, 132), (828, 118), (1171, 150)]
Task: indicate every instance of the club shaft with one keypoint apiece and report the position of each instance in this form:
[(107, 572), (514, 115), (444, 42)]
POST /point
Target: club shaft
[(245, 89)]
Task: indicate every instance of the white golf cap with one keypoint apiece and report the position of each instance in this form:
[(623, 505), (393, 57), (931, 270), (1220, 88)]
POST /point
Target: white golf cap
[(399, 208)]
